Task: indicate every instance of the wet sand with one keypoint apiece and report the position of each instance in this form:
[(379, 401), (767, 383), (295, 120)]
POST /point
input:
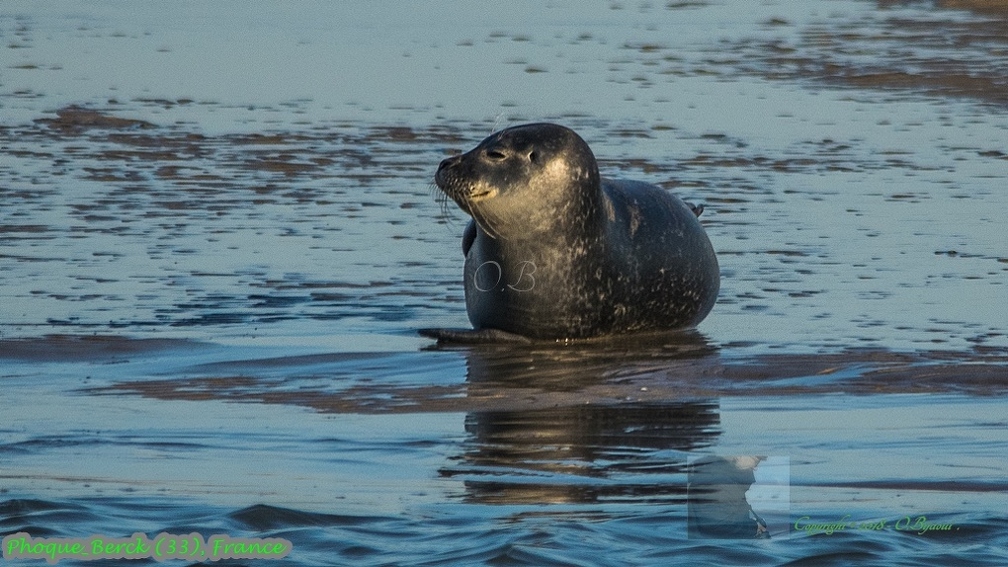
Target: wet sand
[(218, 237), (520, 379)]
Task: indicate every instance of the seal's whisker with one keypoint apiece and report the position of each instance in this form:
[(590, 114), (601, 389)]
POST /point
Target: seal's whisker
[(446, 211), (499, 122), (434, 193)]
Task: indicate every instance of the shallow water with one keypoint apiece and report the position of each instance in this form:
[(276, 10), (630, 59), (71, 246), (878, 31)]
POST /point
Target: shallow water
[(218, 238)]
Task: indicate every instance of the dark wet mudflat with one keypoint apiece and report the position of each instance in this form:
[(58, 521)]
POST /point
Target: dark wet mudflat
[(218, 238)]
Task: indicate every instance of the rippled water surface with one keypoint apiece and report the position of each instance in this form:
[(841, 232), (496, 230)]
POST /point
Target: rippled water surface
[(218, 238)]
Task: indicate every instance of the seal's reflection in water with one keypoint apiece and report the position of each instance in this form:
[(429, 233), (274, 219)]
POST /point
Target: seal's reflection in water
[(566, 431), (587, 454)]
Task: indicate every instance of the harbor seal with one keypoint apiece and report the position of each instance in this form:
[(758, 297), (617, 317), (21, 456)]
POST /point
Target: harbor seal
[(554, 251)]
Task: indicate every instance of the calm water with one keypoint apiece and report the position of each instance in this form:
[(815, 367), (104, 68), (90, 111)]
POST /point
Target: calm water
[(218, 236)]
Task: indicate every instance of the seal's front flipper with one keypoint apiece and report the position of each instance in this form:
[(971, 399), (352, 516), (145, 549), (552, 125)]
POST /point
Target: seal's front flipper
[(473, 337), (468, 237)]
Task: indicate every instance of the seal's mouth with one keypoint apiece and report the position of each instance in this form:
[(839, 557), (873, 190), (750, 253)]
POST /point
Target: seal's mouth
[(477, 195), (471, 199), (462, 191), (468, 193)]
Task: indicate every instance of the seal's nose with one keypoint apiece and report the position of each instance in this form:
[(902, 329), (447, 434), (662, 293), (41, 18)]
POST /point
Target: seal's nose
[(442, 170), (450, 162)]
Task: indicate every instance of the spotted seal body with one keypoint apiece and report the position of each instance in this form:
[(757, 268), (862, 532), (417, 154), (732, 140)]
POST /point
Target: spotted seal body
[(555, 251)]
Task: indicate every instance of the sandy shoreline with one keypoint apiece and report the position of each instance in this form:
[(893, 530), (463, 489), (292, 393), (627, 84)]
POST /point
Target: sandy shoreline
[(518, 378), (658, 370), (772, 376)]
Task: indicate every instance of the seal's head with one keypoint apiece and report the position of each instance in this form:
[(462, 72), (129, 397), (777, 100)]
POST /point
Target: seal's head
[(519, 182)]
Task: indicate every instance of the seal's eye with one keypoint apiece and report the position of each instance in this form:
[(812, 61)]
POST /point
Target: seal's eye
[(495, 155), (533, 157)]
